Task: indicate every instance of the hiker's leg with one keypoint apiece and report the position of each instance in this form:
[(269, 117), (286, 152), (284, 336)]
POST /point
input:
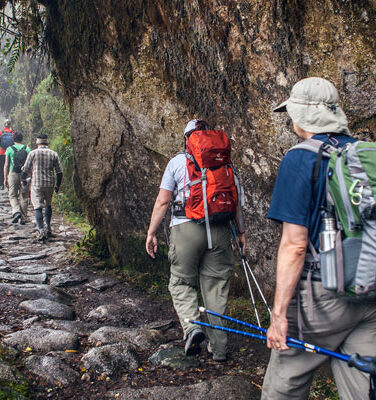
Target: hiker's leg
[(37, 198), (187, 244), (24, 199), (2, 162), (353, 384), (48, 192), (290, 373), (13, 192), (215, 272)]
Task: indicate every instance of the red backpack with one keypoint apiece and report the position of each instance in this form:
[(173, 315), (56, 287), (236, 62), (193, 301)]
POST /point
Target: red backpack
[(213, 190)]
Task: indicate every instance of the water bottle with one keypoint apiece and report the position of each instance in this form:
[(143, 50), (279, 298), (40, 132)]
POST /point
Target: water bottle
[(327, 237)]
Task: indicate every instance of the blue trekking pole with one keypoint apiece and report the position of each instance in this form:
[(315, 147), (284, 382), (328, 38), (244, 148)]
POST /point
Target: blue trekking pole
[(365, 364)]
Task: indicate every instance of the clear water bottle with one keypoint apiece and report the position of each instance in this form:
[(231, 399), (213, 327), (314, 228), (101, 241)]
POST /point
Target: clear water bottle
[(327, 237)]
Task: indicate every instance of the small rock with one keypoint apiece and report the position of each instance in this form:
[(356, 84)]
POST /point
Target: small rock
[(28, 322), (42, 339), (48, 308), (110, 359), (3, 262), (173, 357), (65, 280), (53, 370), (101, 284)]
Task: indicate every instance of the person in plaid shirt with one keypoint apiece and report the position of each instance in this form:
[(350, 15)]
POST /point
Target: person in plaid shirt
[(43, 163)]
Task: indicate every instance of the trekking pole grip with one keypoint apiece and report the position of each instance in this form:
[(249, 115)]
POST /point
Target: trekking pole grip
[(363, 363)]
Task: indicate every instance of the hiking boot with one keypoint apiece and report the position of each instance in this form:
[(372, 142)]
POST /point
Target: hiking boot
[(41, 236), (49, 232), (192, 344), (16, 217), (216, 357)]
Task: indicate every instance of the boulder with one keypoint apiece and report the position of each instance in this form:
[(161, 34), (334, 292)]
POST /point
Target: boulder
[(173, 357), (53, 370), (48, 308), (42, 339), (110, 359)]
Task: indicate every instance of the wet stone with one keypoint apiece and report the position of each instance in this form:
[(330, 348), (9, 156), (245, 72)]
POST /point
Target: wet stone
[(101, 284), (37, 278), (53, 370), (224, 387), (36, 269), (65, 280), (37, 256), (110, 359), (42, 339), (33, 291), (173, 357), (48, 308)]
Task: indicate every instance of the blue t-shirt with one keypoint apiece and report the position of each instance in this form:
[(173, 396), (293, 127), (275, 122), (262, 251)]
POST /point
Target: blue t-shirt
[(295, 200)]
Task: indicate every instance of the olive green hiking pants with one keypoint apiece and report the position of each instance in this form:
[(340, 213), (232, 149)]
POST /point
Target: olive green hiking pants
[(337, 325), (18, 194), (192, 263)]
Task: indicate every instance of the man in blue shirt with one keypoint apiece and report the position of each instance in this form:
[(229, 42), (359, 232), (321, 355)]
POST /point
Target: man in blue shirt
[(297, 198)]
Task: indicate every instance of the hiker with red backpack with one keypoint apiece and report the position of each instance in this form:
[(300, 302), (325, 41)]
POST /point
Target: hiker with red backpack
[(326, 271), (205, 193), (6, 140), (15, 157)]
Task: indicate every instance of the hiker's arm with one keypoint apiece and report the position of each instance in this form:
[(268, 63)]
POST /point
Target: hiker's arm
[(290, 262), (241, 229), (6, 170), (160, 208), (59, 178)]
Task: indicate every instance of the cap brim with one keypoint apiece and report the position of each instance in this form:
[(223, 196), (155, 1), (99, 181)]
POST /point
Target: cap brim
[(281, 107)]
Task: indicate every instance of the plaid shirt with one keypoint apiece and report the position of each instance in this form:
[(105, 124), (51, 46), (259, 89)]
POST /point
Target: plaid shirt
[(42, 161)]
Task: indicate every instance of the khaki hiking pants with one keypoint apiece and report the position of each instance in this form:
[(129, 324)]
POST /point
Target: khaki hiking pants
[(18, 194), (337, 325), (192, 263), (41, 196)]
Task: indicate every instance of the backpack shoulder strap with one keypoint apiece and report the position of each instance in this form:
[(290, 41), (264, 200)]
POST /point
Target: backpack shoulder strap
[(14, 148), (314, 146)]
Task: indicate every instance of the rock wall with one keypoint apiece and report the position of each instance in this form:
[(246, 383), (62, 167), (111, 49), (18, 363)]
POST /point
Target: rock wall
[(135, 71)]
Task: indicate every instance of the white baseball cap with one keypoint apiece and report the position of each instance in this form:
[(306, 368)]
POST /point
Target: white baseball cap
[(191, 125)]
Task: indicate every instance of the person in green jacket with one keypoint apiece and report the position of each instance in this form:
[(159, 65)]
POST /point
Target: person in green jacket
[(18, 193)]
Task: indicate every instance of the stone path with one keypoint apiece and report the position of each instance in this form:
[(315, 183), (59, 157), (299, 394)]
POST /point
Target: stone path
[(70, 330)]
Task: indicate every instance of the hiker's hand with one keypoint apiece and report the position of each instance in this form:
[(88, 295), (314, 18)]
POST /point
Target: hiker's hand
[(277, 333), (242, 242), (56, 189), (6, 184), (151, 245)]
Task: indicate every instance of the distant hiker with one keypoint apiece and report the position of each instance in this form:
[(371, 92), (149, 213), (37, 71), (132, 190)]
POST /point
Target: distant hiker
[(199, 252), (43, 163), (15, 157), (6, 140), (301, 303)]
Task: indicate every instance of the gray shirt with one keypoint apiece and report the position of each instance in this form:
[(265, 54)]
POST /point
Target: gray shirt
[(174, 179)]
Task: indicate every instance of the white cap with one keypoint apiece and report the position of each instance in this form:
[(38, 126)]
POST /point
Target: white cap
[(190, 126)]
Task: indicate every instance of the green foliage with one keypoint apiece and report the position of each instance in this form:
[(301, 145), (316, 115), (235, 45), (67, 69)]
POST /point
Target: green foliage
[(92, 247), (323, 388)]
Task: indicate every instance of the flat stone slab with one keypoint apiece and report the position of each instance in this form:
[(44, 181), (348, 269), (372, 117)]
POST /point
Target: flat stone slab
[(65, 280), (101, 284), (11, 277), (42, 339), (33, 291), (3, 262), (27, 257), (48, 308), (143, 338), (77, 327), (224, 387), (53, 370), (174, 357), (110, 359), (55, 250), (36, 269), (4, 268)]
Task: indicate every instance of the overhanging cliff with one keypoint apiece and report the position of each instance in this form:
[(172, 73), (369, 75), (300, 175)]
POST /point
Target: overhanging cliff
[(135, 71)]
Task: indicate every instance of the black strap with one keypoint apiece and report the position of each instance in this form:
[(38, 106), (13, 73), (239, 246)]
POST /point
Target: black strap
[(372, 387), (316, 172)]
